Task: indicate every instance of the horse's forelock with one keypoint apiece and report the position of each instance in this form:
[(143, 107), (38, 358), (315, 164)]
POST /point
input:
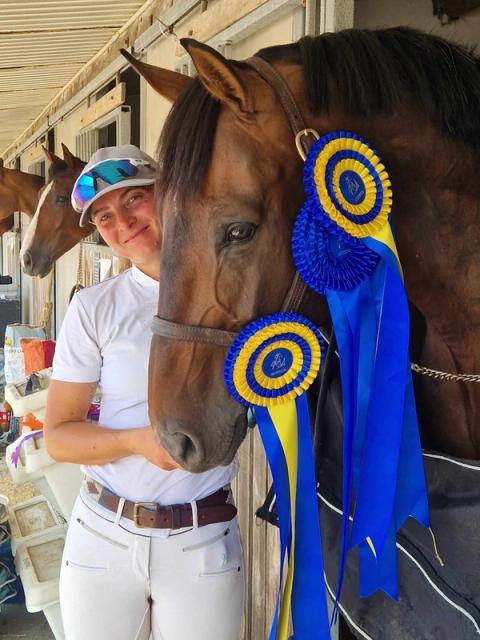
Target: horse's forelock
[(186, 142), (57, 168)]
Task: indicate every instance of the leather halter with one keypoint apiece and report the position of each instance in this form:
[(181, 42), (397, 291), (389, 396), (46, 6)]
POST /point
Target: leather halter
[(294, 297)]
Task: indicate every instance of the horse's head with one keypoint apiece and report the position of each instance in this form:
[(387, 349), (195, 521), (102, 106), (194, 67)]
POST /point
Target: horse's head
[(228, 192), (7, 196), (54, 228), (6, 223)]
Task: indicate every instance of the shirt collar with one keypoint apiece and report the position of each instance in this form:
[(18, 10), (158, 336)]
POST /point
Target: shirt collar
[(143, 279)]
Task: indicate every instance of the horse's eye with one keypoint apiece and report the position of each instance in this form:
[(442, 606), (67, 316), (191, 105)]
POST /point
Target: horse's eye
[(240, 232), (61, 199)]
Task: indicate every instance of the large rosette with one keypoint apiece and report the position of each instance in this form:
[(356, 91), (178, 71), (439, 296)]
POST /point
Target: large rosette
[(327, 260), (347, 185), (273, 360)]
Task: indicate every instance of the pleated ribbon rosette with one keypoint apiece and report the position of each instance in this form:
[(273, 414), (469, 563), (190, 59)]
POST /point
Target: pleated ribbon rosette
[(269, 367), (343, 247)]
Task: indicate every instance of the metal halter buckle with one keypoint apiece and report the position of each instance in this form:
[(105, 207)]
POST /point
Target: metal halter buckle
[(150, 506)]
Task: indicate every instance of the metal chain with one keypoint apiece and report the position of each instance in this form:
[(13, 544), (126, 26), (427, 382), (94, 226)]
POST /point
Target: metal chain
[(443, 375)]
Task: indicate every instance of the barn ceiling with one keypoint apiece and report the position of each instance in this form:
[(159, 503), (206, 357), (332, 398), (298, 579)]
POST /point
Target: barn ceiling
[(43, 44)]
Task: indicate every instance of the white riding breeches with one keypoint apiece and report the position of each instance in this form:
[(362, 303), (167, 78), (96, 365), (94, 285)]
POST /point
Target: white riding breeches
[(120, 584)]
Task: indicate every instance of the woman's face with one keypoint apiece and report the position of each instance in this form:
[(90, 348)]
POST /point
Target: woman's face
[(127, 221)]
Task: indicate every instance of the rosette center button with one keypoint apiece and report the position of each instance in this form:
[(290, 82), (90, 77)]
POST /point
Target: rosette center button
[(352, 187), (277, 362)]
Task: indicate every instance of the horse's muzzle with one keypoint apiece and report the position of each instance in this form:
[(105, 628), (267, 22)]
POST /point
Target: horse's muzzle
[(36, 267), (196, 454)]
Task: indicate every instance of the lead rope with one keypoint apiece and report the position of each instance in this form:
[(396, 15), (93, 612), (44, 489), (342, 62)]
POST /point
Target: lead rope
[(79, 284), (46, 315)]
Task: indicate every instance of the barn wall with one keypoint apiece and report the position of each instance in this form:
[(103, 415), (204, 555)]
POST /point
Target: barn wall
[(418, 14)]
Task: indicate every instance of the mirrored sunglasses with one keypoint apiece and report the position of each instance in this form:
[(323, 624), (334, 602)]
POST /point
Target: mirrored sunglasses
[(109, 172)]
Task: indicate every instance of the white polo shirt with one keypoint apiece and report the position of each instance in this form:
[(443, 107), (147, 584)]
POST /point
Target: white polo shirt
[(106, 337)]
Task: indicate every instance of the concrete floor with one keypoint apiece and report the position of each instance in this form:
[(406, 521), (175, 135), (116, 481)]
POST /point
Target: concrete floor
[(17, 624)]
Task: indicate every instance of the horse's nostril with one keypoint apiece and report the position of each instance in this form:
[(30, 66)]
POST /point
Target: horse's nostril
[(184, 446), (181, 447), (27, 260)]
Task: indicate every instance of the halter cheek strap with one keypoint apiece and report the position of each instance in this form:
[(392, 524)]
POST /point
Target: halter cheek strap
[(191, 333), (293, 299)]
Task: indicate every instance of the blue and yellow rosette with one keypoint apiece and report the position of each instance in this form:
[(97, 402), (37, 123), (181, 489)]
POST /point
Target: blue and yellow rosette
[(349, 184), (343, 247), (269, 367)]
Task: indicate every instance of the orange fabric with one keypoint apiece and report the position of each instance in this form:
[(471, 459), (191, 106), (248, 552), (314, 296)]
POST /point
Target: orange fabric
[(33, 354), (29, 420)]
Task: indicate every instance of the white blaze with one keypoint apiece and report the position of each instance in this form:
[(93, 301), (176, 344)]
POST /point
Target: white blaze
[(32, 227)]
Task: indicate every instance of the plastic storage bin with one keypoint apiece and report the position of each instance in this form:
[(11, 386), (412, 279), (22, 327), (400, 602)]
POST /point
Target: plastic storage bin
[(18, 470), (63, 478), (38, 563), (59, 481), (22, 405), (31, 518)]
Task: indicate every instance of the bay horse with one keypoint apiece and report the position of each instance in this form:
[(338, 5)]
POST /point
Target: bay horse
[(229, 189), (55, 227), (18, 192)]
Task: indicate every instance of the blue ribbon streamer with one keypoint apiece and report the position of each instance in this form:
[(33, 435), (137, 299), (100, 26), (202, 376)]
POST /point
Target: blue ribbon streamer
[(279, 471), (309, 607), (383, 460)]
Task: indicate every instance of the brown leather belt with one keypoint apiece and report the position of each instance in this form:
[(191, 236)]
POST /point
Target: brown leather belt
[(213, 508)]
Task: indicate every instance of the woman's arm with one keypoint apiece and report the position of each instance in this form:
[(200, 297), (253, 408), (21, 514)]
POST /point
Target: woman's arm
[(69, 438)]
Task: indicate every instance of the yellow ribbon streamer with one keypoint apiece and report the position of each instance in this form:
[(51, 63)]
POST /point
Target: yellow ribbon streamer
[(284, 418), (385, 236)]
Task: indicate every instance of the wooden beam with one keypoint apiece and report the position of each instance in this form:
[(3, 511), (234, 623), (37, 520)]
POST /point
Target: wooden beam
[(216, 19), (107, 103), (34, 154)]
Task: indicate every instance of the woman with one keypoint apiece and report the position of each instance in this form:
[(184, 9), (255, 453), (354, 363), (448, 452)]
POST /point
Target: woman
[(133, 563)]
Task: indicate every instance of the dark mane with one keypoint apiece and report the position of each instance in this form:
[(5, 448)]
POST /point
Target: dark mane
[(374, 72)]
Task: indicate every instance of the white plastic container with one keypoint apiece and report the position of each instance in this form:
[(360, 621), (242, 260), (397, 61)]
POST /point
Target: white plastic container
[(64, 480), (36, 455), (21, 405), (54, 619), (60, 482), (18, 472), (38, 564), (31, 518), (9, 291)]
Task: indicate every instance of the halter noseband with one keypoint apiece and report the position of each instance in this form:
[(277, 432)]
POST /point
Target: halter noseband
[(294, 297)]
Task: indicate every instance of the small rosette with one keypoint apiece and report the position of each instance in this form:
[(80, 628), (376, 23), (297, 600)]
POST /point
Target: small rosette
[(349, 184), (328, 261), (273, 360)]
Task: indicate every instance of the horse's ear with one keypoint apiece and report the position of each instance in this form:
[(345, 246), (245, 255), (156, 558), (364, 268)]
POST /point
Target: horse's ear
[(72, 161), (168, 84), (51, 157), (219, 76)]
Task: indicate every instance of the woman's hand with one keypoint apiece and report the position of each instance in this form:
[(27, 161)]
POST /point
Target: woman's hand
[(145, 443), (69, 438)]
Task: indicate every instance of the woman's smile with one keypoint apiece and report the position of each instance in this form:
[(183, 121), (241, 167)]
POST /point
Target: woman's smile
[(137, 234)]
